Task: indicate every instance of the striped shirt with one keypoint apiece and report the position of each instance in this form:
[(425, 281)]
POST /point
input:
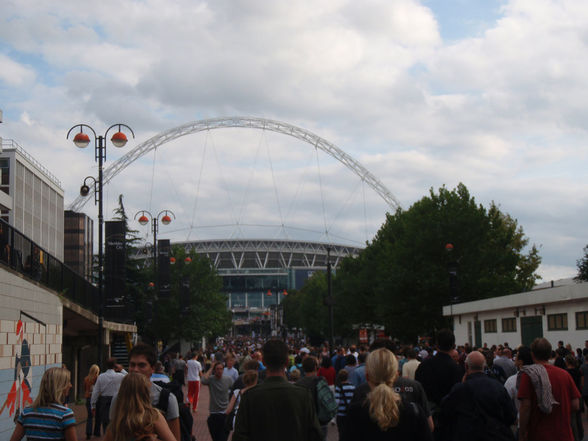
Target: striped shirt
[(46, 423), (343, 395)]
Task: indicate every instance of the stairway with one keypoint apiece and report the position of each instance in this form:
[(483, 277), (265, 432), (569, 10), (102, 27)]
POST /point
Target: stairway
[(119, 350)]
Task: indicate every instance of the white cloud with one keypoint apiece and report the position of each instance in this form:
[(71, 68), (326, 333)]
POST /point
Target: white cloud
[(15, 74), (503, 111)]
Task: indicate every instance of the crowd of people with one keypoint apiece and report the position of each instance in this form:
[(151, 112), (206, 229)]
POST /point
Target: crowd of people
[(289, 390)]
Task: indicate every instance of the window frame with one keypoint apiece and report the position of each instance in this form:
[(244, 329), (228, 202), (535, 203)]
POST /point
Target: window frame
[(585, 314), (552, 322), (490, 326), (510, 320)]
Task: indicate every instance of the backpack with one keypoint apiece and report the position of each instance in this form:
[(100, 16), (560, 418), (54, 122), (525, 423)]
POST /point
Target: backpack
[(186, 420), (326, 405)]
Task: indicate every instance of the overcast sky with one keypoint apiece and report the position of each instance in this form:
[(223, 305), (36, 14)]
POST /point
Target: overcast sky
[(423, 93)]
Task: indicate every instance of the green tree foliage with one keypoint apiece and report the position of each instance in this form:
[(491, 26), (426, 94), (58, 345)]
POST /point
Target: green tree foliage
[(401, 280), (304, 309), (204, 311), (583, 267)]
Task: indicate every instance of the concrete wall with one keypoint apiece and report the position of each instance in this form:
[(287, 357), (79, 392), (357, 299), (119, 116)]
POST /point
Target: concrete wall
[(27, 348)]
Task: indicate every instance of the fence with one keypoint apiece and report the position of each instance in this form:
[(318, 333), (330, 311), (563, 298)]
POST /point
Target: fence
[(26, 257)]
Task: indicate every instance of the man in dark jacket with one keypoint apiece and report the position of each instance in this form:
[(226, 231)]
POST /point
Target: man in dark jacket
[(477, 409), (276, 409), (439, 373)]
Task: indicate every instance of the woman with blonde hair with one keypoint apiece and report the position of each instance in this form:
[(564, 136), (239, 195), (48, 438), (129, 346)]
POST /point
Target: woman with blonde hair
[(89, 383), (135, 418), (48, 418), (384, 415)]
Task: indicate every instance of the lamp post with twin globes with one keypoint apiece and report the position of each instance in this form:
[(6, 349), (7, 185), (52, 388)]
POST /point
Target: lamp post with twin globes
[(82, 140), (164, 217)]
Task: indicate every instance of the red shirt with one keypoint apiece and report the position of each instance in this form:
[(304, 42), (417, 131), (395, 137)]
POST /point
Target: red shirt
[(328, 374), (556, 425)]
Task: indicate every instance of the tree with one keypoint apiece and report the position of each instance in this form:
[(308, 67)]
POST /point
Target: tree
[(401, 279), (583, 267), (305, 309), (196, 307)]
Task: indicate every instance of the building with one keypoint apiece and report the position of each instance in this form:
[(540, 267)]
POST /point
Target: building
[(556, 311), (31, 198), (257, 274), (78, 242)]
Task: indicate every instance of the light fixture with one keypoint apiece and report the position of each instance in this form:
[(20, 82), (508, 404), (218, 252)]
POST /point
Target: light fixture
[(81, 140), (119, 139)]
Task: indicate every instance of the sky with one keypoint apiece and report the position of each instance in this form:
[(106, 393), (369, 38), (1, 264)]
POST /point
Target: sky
[(492, 94)]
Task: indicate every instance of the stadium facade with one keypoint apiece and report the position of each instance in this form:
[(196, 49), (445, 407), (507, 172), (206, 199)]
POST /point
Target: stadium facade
[(257, 274)]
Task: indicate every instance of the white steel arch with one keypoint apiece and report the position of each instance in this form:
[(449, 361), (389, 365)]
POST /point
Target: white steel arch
[(243, 122)]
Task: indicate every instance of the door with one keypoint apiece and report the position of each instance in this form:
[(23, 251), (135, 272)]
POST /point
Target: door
[(531, 328), (478, 333)]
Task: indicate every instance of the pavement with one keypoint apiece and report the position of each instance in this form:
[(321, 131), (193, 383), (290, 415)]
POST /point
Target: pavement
[(200, 429)]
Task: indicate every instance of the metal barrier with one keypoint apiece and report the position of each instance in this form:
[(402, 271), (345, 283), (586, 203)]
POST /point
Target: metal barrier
[(26, 257)]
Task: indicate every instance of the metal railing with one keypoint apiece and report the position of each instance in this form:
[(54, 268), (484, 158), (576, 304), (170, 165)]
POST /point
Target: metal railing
[(27, 258), (11, 144)]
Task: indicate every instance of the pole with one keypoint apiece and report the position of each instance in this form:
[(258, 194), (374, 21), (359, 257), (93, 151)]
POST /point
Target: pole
[(100, 154), (330, 301), (154, 224)]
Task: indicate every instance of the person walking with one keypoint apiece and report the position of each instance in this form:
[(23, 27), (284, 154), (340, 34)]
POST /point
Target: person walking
[(89, 383), (477, 409), (48, 418), (135, 418), (343, 394), (548, 396), (219, 387), (384, 415), (193, 370), (105, 388), (276, 409), (142, 360)]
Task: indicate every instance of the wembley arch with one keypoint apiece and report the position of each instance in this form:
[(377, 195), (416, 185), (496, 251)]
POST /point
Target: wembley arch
[(250, 123)]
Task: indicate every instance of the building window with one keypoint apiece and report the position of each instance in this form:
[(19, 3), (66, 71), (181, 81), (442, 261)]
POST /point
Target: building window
[(490, 326), (582, 320), (509, 324), (557, 322)]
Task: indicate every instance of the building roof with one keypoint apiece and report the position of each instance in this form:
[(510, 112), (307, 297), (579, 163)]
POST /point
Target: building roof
[(542, 296)]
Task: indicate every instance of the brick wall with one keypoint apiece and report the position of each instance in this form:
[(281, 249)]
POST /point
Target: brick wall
[(27, 347)]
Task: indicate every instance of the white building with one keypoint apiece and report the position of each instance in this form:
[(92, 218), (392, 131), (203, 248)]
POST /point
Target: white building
[(31, 198), (556, 311)]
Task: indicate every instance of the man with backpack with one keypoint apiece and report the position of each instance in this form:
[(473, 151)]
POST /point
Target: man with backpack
[(324, 399), (142, 359)]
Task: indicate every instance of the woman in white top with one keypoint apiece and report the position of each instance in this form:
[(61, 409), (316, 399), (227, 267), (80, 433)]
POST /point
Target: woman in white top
[(249, 380)]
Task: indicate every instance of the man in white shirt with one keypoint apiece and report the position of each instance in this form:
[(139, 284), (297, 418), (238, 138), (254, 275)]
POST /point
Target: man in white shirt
[(193, 369), (229, 370), (106, 387), (410, 366)]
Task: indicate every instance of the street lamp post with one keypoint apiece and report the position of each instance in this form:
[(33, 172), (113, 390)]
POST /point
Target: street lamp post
[(82, 140), (330, 301), (164, 216), (452, 270)]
